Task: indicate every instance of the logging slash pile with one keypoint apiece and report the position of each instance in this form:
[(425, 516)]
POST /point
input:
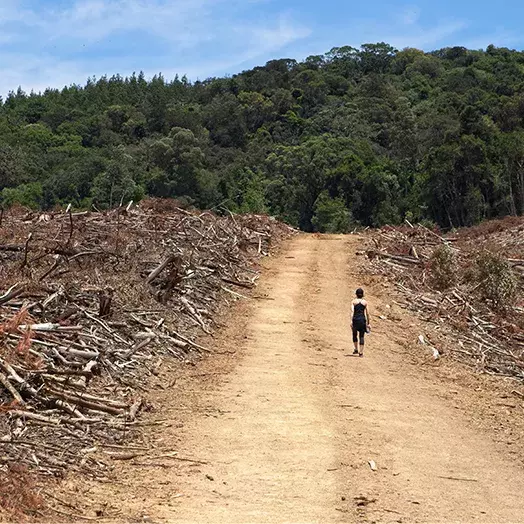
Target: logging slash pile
[(469, 285), (92, 304)]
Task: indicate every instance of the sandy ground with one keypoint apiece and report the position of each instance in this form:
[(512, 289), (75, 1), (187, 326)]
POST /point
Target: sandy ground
[(281, 425)]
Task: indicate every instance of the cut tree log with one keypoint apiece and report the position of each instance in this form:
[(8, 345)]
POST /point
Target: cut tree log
[(5, 382), (64, 274)]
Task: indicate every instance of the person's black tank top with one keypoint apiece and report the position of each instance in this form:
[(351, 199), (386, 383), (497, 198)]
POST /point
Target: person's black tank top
[(359, 313)]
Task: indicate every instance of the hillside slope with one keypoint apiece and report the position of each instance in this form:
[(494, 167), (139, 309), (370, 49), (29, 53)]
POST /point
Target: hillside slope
[(281, 426), (369, 135)]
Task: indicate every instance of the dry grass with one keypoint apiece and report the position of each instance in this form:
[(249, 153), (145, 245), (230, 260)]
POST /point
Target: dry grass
[(491, 227), (19, 500)]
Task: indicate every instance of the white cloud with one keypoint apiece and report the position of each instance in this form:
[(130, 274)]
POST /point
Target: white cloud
[(409, 16), (94, 20), (499, 38), (55, 46), (267, 39), (408, 27), (58, 46), (424, 37), (260, 42), (412, 30)]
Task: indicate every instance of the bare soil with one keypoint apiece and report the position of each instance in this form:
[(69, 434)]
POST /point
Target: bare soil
[(280, 425)]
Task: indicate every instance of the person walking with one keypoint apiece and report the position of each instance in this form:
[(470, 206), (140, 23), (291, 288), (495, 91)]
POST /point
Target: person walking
[(360, 323)]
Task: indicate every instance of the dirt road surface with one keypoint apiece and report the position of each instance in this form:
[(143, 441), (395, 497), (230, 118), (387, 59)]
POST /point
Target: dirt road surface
[(284, 429)]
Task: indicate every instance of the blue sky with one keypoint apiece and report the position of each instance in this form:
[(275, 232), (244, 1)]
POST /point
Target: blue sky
[(57, 42)]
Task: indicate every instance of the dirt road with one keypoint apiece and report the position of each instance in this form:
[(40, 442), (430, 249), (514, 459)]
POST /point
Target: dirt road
[(288, 433)]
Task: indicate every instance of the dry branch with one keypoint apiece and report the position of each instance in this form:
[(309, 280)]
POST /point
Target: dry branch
[(461, 316), (92, 303)]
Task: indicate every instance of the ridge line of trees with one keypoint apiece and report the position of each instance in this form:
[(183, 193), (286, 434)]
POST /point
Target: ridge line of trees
[(356, 136)]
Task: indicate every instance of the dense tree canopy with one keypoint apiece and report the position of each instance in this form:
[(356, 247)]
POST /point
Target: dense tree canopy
[(356, 136)]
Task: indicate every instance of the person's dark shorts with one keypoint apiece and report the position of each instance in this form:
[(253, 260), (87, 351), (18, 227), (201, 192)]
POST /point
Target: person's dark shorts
[(359, 330)]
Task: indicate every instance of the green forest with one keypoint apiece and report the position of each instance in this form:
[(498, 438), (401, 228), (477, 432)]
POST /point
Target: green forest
[(367, 136)]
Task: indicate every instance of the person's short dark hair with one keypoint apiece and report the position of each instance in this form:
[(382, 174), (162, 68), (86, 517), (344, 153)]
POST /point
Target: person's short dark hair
[(360, 293)]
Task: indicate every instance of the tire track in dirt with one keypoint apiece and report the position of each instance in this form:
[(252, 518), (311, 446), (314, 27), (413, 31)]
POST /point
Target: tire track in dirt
[(298, 419)]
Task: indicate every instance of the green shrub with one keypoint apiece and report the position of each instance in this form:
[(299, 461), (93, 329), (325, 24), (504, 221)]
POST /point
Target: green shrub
[(110, 190), (443, 268), (426, 222), (28, 195), (495, 279), (331, 215)]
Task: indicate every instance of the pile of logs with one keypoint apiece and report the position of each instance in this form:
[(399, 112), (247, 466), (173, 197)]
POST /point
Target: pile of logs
[(92, 304), (463, 324)]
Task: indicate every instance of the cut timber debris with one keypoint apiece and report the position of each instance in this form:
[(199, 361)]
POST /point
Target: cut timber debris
[(422, 341), (465, 324), (93, 304)]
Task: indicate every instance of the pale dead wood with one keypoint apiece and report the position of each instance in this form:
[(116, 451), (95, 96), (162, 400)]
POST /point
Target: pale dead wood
[(92, 304), (490, 339)]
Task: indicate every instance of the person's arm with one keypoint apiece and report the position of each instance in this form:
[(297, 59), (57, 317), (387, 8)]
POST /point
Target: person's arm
[(367, 315), (352, 311)]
